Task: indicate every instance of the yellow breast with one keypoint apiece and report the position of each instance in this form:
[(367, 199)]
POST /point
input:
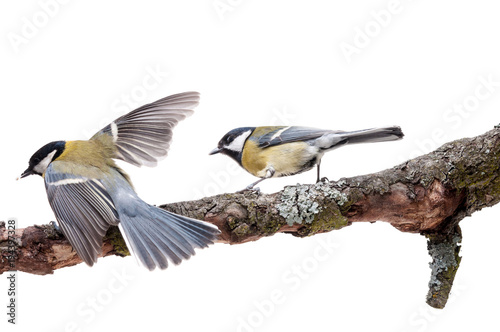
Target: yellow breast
[(285, 159)]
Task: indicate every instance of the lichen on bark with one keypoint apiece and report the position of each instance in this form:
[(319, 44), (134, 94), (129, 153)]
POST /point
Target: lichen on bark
[(444, 250), (427, 195)]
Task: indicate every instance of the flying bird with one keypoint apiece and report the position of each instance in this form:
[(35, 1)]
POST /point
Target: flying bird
[(88, 192)]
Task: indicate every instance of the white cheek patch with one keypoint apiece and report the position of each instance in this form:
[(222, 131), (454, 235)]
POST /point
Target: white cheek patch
[(238, 142), (41, 167)]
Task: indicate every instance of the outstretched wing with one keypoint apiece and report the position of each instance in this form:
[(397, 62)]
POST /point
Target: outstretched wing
[(282, 135), (143, 136), (83, 209)]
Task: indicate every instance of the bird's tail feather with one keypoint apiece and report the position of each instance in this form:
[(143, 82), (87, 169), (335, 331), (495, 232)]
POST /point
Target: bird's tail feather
[(155, 236), (373, 135)]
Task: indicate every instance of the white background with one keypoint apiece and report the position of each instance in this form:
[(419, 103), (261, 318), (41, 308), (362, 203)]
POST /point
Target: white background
[(66, 67)]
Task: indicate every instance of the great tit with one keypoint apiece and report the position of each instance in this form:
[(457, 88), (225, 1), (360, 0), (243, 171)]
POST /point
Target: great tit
[(281, 151), (88, 192)]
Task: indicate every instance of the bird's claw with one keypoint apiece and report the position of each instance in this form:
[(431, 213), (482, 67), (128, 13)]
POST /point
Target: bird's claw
[(56, 227), (324, 179), (256, 190)]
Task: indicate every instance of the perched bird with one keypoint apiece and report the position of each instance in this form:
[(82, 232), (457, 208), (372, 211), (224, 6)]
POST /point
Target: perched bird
[(88, 192), (281, 151)]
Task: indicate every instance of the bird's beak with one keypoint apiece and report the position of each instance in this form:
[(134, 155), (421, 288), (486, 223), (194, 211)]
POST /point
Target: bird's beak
[(214, 151), (26, 173)]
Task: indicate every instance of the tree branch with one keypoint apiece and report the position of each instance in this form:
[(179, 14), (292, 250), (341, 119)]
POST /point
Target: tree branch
[(427, 195)]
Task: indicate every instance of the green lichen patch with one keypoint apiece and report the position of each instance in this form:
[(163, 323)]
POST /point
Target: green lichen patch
[(265, 223), (329, 219), (476, 170), (115, 238), (251, 217), (241, 231)]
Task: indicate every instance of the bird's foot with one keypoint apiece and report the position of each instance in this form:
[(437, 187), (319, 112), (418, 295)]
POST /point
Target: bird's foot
[(56, 227), (52, 230), (251, 188), (323, 180)]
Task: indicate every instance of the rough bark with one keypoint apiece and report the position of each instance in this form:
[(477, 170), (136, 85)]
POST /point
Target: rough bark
[(427, 195)]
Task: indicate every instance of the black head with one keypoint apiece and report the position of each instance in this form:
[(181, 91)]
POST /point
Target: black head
[(43, 157), (233, 142)]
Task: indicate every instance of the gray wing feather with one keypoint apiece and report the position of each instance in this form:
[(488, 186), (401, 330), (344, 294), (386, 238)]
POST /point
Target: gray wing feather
[(83, 209), (291, 134), (143, 136), (329, 139)]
